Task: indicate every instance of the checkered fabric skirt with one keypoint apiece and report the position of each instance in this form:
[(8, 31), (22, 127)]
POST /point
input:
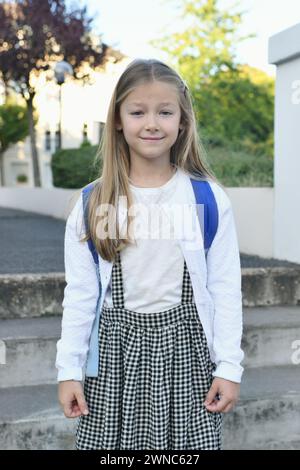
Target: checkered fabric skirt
[(154, 373)]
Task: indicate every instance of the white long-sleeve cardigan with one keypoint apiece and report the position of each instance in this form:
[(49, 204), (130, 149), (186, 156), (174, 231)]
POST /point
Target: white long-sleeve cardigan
[(216, 281)]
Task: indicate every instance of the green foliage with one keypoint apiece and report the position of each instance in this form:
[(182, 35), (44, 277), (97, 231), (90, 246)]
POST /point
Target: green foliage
[(234, 103), (85, 143), (240, 169), (237, 110), (13, 124), (204, 46), (74, 168), (22, 178)]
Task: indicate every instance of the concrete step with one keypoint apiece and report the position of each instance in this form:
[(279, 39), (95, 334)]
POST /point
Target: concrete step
[(31, 295), (35, 295), (30, 345), (267, 415), (31, 419), (270, 338), (271, 286)]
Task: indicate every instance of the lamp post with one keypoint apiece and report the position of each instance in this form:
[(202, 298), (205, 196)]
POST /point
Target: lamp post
[(61, 69)]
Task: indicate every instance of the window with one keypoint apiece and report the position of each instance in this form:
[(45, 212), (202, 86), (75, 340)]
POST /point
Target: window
[(48, 140), (101, 128), (85, 131), (57, 140)]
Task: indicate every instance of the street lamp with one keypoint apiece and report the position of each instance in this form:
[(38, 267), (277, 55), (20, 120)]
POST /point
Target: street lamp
[(61, 69)]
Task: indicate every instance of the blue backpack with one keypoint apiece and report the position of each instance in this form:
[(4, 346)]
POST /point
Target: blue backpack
[(203, 194)]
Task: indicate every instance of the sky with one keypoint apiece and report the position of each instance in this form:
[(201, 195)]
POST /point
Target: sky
[(128, 25)]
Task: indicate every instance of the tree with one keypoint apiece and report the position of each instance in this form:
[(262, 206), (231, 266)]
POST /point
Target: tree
[(233, 102), (236, 108), (34, 35), (13, 128), (205, 45)]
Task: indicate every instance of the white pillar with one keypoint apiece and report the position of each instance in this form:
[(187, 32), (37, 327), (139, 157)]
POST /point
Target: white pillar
[(284, 52)]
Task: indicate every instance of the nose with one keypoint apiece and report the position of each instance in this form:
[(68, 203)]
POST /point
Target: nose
[(151, 123)]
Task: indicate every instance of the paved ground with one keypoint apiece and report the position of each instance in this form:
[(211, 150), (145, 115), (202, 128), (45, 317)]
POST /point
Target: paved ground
[(30, 242), (33, 243)]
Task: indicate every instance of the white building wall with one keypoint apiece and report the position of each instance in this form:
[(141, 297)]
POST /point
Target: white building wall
[(81, 105), (253, 210), (284, 51)]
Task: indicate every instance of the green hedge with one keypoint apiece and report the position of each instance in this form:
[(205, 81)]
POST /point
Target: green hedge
[(74, 168), (239, 168)]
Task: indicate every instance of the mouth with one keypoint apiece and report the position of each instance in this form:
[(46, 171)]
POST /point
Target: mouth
[(152, 139)]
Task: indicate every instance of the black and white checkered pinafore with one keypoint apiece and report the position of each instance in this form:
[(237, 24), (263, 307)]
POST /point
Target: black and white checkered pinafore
[(154, 373)]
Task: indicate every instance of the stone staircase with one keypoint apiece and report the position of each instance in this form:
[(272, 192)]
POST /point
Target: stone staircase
[(267, 415)]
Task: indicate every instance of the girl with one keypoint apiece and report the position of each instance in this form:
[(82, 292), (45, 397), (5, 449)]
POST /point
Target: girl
[(164, 357)]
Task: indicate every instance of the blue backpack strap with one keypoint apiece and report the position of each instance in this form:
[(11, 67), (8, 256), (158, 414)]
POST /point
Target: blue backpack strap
[(204, 195), (85, 201)]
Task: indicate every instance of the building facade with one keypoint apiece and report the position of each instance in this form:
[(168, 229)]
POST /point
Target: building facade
[(81, 109)]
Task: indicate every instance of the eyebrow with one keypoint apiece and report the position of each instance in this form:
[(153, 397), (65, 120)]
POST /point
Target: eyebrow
[(165, 103)]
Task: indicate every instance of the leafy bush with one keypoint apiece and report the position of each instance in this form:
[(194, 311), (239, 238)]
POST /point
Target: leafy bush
[(85, 143), (22, 178), (74, 168), (239, 168)]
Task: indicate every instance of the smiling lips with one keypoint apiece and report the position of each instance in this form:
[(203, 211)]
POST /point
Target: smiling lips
[(152, 138)]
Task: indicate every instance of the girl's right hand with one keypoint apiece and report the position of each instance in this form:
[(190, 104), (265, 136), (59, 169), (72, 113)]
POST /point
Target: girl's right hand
[(71, 398)]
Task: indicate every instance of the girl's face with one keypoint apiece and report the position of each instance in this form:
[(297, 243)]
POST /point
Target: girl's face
[(150, 119)]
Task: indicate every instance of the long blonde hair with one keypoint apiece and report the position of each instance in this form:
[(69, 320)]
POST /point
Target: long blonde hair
[(187, 152)]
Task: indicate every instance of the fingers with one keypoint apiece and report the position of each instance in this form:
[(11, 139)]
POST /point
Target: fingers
[(73, 410), (67, 409), (82, 403), (222, 406), (77, 407), (217, 404), (211, 395), (222, 395), (72, 400)]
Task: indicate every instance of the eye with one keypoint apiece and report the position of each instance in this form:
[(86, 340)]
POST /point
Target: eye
[(139, 113)]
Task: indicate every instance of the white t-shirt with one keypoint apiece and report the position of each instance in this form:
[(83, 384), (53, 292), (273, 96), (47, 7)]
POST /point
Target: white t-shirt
[(152, 269)]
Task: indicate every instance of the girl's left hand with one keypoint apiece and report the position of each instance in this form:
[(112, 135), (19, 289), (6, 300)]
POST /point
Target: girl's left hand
[(228, 392)]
